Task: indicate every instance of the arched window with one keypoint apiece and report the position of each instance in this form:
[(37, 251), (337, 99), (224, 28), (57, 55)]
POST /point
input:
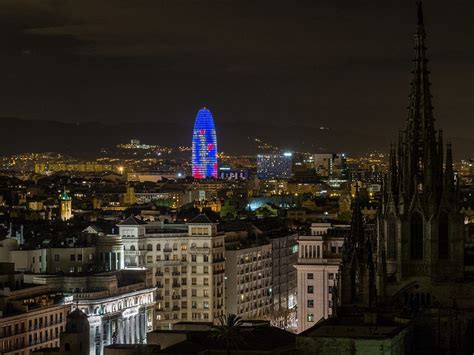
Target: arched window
[(149, 247), (443, 236), (132, 247), (158, 247), (175, 246), (416, 236), (392, 238)]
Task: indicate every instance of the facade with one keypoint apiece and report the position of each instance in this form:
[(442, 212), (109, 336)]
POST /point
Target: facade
[(319, 256), (31, 318), (54, 260), (274, 166), (331, 165), (65, 212), (187, 263), (107, 255), (248, 290), (284, 256), (119, 305), (204, 146)]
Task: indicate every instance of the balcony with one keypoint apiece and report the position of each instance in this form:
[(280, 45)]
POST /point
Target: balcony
[(205, 250), (167, 250)]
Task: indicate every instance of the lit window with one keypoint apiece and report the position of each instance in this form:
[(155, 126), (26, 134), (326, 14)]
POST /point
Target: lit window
[(310, 317)]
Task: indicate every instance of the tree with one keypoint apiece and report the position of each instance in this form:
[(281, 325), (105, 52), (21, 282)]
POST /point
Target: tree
[(227, 333)]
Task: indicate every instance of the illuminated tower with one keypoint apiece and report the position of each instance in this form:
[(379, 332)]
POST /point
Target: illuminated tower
[(204, 158), (66, 206)]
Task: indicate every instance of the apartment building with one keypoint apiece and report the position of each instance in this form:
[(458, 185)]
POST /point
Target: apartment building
[(319, 257), (31, 317), (188, 266), (248, 288)]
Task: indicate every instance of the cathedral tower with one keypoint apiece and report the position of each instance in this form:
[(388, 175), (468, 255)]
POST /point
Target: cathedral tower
[(421, 226)]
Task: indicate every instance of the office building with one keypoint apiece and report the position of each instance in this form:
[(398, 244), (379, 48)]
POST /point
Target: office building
[(331, 166), (119, 305), (204, 146), (274, 166)]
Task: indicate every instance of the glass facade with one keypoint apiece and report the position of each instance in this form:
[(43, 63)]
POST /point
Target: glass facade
[(274, 166), (204, 159)]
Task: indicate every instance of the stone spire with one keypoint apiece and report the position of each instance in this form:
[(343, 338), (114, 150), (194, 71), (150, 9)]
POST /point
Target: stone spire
[(449, 172), (357, 236), (420, 136)]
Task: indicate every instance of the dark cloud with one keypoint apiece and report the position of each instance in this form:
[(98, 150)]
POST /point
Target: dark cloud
[(344, 64)]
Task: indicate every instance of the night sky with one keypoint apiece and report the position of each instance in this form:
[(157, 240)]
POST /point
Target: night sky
[(341, 64)]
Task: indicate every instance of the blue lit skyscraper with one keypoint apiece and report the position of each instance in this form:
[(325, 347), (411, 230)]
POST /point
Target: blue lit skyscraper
[(204, 160)]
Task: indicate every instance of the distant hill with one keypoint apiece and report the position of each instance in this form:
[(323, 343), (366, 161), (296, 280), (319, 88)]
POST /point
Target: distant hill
[(22, 135)]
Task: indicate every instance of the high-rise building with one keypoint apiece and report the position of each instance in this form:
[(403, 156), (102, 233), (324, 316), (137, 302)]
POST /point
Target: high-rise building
[(274, 166), (66, 206), (204, 156)]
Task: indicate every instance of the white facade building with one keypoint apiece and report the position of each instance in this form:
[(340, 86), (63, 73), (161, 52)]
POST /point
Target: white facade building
[(319, 258), (119, 305), (188, 266)]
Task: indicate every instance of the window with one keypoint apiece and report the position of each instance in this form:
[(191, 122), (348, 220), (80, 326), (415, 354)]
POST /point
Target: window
[(205, 305), (79, 257), (205, 258), (310, 317), (184, 247), (175, 246), (206, 281), (194, 293), (310, 276), (443, 236), (206, 269), (193, 269), (194, 281), (149, 247), (310, 289), (310, 304), (193, 258), (331, 276), (194, 304), (56, 257), (72, 257), (416, 236)]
